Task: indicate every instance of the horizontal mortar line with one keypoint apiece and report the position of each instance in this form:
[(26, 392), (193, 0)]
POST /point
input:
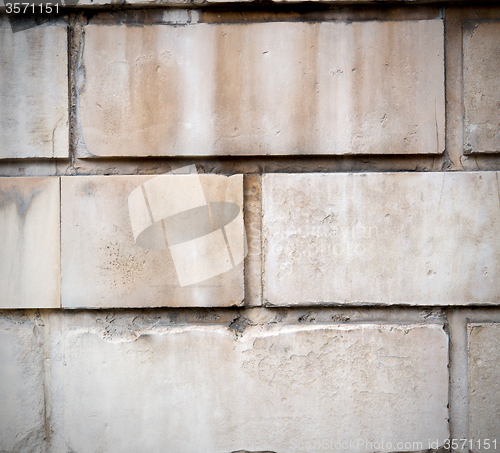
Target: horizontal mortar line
[(250, 165), (222, 171), (483, 315)]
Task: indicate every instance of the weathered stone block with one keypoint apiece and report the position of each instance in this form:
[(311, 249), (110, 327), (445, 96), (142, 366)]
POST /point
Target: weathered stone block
[(33, 92), (141, 241), (482, 86), (484, 380), (22, 411), (393, 238), (276, 88), (280, 389), (29, 243)]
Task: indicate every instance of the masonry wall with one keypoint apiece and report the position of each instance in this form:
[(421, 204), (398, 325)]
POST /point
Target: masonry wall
[(250, 227)]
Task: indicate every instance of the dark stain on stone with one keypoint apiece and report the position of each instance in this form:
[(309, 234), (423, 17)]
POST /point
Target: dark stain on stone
[(308, 317), (340, 318), (238, 326), (22, 200)]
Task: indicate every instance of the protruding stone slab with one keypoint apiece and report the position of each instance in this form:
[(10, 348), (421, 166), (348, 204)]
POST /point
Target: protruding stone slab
[(29, 243), (282, 389), (277, 88), (482, 86), (22, 415), (149, 241), (484, 380), (33, 92), (393, 238)]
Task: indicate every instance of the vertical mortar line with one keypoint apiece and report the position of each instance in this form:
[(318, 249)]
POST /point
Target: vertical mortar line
[(442, 13), (458, 383), (60, 241), (246, 272), (261, 223), (453, 89), (462, 89), (70, 90), (47, 400), (75, 49)]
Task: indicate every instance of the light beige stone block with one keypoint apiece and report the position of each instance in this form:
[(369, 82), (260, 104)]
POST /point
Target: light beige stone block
[(29, 243), (142, 241), (281, 389), (484, 380), (33, 92), (391, 238), (482, 86), (22, 415), (276, 88)]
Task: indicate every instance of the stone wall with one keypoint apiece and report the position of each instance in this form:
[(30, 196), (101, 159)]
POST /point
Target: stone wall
[(250, 227)]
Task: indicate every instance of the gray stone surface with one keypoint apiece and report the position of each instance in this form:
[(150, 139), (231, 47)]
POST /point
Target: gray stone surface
[(33, 92), (374, 87), (482, 86), (282, 389), (393, 238), (113, 241), (22, 408), (29, 243), (484, 380)]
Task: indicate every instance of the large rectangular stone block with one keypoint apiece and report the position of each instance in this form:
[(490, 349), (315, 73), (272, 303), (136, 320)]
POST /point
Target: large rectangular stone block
[(276, 88), (287, 388), (482, 86), (143, 241), (29, 243), (22, 400), (484, 380), (33, 92), (391, 238)]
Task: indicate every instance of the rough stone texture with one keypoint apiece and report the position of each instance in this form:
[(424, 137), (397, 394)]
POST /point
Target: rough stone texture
[(253, 225), (393, 238), (33, 92), (22, 414), (29, 243), (374, 87), (104, 266), (484, 380), (482, 86), (210, 389)]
